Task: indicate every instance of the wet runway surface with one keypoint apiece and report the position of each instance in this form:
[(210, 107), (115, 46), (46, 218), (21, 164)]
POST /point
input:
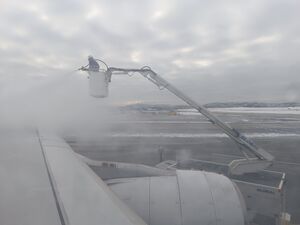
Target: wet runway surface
[(138, 139)]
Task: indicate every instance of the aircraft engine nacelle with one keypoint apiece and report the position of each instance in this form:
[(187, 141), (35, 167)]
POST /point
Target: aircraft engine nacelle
[(188, 198)]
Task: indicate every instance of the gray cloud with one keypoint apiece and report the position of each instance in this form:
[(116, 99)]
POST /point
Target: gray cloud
[(214, 50)]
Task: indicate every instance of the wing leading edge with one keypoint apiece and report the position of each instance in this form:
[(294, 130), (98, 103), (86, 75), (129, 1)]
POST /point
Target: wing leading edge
[(82, 197)]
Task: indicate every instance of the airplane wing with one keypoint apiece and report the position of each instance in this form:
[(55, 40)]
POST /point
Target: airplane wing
[(44, 182)]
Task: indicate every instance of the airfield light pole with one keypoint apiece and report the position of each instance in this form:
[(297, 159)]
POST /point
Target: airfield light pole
[(262, 159)]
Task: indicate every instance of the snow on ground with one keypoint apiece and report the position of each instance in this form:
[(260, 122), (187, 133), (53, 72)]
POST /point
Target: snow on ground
[(199, 135), (270, 110)]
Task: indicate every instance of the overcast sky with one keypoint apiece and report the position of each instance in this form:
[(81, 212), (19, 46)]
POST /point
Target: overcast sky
[(213, 50)]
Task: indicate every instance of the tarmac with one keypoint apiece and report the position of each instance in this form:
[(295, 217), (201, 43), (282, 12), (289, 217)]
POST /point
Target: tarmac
[(183, 137)]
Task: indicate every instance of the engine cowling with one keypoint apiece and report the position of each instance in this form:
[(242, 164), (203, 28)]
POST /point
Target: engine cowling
[(187, 198)]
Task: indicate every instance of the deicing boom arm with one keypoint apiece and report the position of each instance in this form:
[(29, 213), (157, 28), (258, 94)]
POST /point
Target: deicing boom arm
[(262, 158), (235, 135)]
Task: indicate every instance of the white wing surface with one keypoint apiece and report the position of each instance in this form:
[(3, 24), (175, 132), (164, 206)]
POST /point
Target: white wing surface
[(43, 182), (82, 196)]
